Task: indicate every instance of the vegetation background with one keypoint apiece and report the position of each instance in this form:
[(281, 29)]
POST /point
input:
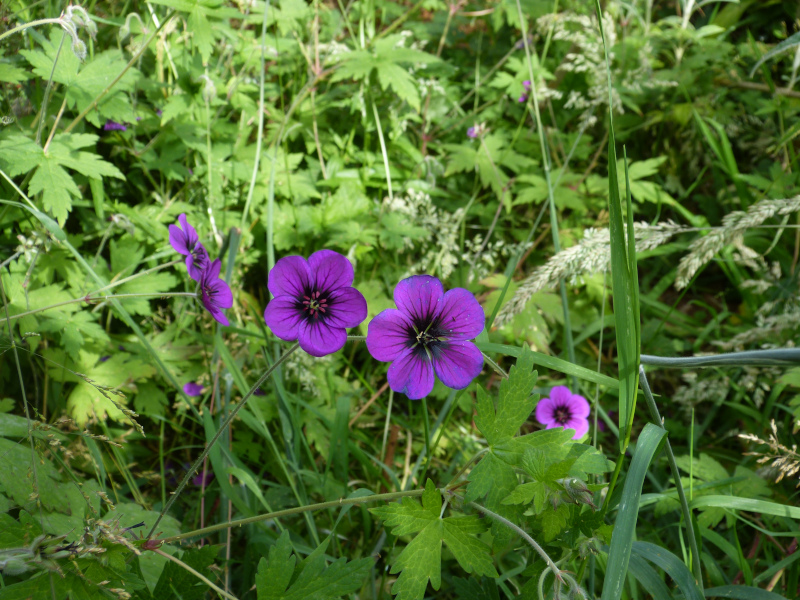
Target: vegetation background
[(480, 142)]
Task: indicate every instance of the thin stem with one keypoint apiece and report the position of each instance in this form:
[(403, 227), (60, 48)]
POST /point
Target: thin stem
[(673, 467), (427, 427), (383, 147), (779, 357), (294, 511), (47, 90), (137, 275), (93, 104), (495, 366), (87, 299), (197, 574), (470, 462), (24, 26), (232, 415), (523, 534)]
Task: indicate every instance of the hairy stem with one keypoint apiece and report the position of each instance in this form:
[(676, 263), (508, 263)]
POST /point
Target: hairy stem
[(88, 299), (24, 26), (223, 427), (197, 574), (294, 511)]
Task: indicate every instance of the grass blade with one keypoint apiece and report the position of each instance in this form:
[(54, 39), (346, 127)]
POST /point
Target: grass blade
[(742, 592), (672, 565), (625, 526)]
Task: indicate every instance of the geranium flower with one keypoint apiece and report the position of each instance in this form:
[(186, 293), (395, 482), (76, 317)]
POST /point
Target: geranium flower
[(428, 333), (215, 293), (192, 389), (527, 85), (564, 409), (472, 132), (114, 126), (185, 241), (314, 302)]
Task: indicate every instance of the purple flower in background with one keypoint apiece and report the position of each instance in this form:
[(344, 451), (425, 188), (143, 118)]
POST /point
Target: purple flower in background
[(104, 358), (314, 302), (527, 85), (428, 333), (114, 126), (203, 479), (185, 241), (472, 132), (564, 409), (192, 389), (215, 293)]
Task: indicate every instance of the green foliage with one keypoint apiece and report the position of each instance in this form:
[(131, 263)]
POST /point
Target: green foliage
[(279, 579), (420, 561)]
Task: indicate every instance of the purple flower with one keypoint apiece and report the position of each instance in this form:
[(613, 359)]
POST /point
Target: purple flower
[(203, 479), (215, 293), (185, 241), (192, 389), (527, 85), (114, 126), (314, 302), (523, 98), (428, 333), (472, 132), (564, 409)]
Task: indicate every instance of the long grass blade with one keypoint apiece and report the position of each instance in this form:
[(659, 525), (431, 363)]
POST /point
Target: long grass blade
[(673, 565)]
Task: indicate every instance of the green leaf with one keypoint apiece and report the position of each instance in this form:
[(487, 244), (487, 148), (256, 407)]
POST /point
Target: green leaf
[(313, 580), (625, 526), (19, 154), (787, 44), (421, 560), (12, 73), (742, 592), (554, 522), (65, 149), (57, 186), (666, 560), (514, 404), (398, 78), (179, 584), (495, 480)]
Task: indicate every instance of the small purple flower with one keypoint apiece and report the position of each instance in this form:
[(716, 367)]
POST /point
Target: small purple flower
[(114, 126), (527, 85), (472, 132), (192, 389), (428, 333), (215, 293), (185, 241), (314, 302), (564, 409), (523, 98), (203, 479), (259, 392), (104, 358)]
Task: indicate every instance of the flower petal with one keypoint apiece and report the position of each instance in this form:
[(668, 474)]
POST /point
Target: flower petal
[(411, 375), (189, 231), (457, 364), (211, 274), (579, 406), (347, 308), (192, 389), (283, 317), (580, 425), (177, 240), (330, 270), (387, 335), (218, 315), (461, 315), (290, 276), (544, 412), (222, 296), (419, 296), (319, 339)]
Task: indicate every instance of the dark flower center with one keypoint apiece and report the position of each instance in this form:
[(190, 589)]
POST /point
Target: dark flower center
[(427, 338), (562, 415), (199, 255), (314, 305)]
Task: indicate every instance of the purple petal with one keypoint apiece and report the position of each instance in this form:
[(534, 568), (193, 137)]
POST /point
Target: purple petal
[(319, 339), (348, 308), (523, 98), (419, 296), (197, 262), (461, 315), (192, 389), (387, 335), (222, 296), (458, 364), (203, 479), (545, 412), (411, 375), (212, 273), (579, 406), (177, 240), (581, 426), (283, 318), (218, 315), (290, 276), (526, 84), (191, 234), (331, 270)]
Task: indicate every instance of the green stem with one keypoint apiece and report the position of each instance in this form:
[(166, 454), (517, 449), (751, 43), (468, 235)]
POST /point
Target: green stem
[(24, 26), (137, 275), (232, 415), (87, 299), (550, 196), (197, 574), (427, 427), (613, 483), (383, 147), (294, 511), (523, 534), (676, 476), (93, 104)]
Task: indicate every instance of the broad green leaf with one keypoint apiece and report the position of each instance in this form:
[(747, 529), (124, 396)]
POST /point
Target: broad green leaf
[(65, 150), (554, 522), (314, 580), (57, 186), (176, 583), (420, 561), (19, 154)]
